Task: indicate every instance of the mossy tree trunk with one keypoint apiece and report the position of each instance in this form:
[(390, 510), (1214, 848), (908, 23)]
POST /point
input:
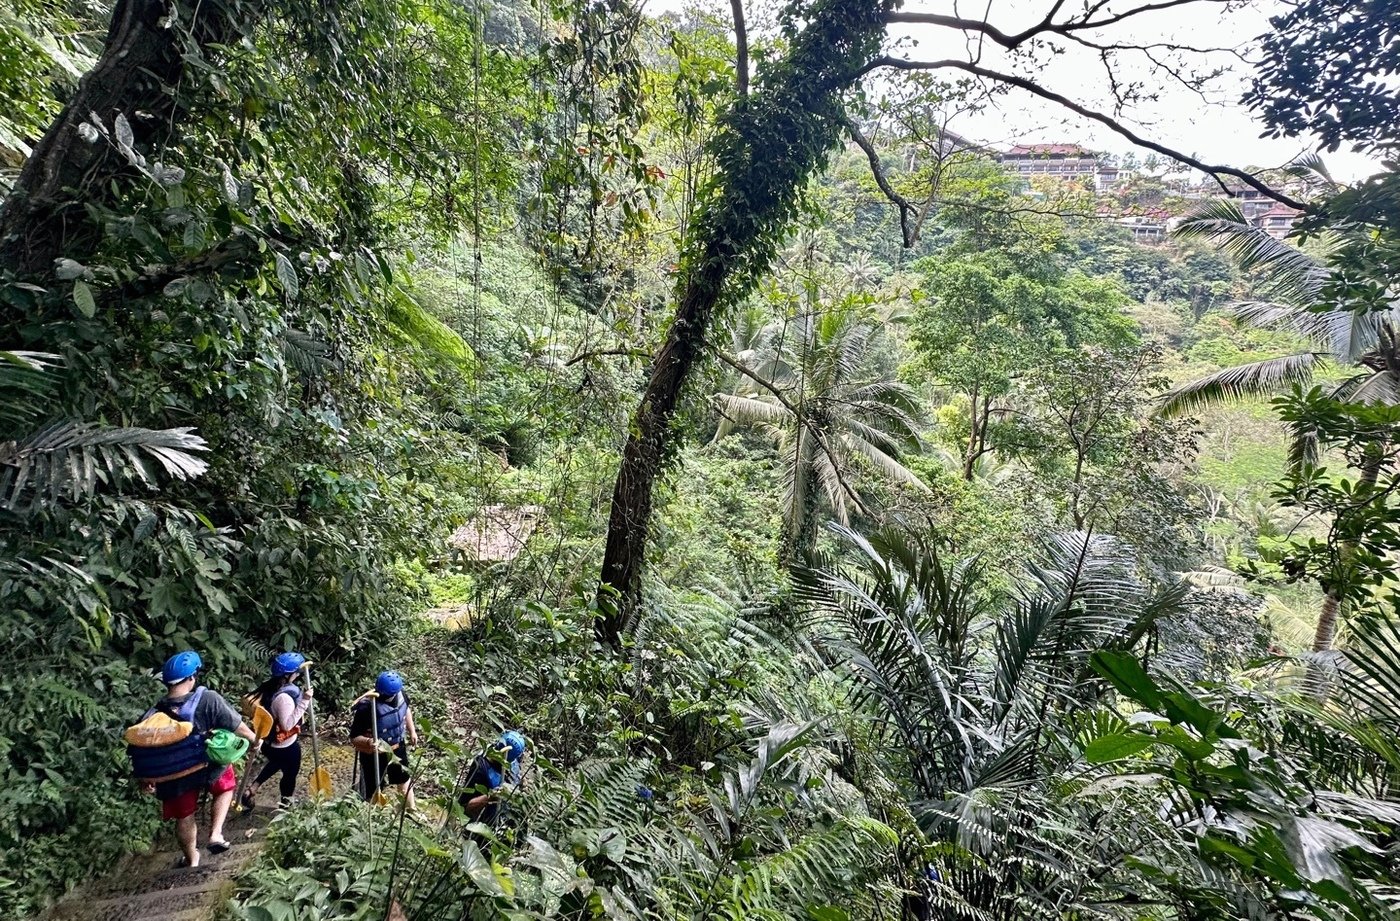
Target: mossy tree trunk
[(772, 143), (146, 55)]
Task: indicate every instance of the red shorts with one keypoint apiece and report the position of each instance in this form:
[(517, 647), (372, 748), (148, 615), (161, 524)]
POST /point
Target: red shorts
[(183, 805)]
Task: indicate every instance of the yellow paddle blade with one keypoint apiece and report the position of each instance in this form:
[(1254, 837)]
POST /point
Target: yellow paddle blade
[(320, 782), (262, 721)]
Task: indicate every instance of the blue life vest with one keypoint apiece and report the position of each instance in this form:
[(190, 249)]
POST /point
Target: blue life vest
[(392, 719), (180, 759)]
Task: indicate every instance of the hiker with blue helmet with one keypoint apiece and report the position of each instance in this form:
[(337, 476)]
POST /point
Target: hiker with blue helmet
[(179, 772), (281, 697), (488, 773), (387, 711)]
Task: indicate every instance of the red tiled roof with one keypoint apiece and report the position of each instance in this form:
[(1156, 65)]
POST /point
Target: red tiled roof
[(1281, 210)]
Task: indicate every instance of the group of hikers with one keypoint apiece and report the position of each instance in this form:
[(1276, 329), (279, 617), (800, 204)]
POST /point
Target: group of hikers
[(187, 745)]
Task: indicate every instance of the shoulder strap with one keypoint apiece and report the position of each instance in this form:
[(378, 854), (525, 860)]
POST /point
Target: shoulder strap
[(191, 704)]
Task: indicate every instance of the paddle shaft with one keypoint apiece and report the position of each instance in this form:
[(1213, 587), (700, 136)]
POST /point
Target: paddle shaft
[(311, 713), (252, 760), (374, 729), (247, 773)]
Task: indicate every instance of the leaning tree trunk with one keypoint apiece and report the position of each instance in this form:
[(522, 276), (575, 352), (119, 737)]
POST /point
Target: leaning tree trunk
[(1316, 682), (143, 62), (772, 144)]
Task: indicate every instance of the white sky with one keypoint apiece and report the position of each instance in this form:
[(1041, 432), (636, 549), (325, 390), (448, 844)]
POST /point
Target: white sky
[(1217, 129)]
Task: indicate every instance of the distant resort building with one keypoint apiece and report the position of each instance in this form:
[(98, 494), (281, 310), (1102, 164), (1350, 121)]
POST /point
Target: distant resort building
[(1060, 161), (1148, 226), (1278, 221)]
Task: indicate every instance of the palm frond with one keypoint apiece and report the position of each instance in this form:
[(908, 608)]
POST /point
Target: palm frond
[(1291, 274), (1256, 379), (72, 458), (737, 409), (888, 465), (23, 384), (1381, 388)]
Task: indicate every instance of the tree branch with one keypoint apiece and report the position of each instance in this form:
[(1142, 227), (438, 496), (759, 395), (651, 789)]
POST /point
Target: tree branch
[(799, 418), (881, 180), (1030, 86), (1046, 26), (599, 353)]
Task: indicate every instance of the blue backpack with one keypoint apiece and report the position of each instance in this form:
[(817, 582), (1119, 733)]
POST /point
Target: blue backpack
[(163, 746)]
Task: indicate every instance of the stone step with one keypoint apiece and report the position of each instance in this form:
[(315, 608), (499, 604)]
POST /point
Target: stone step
[(131, 884)]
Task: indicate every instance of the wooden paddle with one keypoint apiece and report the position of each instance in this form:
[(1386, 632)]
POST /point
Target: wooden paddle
[(378, 798), (320, 777), (262, 726)]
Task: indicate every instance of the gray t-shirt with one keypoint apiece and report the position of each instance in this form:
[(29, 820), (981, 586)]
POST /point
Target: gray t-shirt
[(212, 713)]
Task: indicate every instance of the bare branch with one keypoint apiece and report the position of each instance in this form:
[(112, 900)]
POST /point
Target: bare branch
[(801, 420), (1030, 86), (600, 353), (899, 201)]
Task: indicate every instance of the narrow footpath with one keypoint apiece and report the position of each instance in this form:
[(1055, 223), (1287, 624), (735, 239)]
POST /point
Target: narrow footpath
[(149, 887)]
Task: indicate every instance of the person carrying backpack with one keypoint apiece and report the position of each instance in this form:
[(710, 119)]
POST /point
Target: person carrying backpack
[(387, 711), (487, 773), (287, 703), (170, 754)]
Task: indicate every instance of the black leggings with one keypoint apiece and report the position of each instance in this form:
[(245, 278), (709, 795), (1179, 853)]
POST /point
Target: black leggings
[(288, 761), (390, 772)]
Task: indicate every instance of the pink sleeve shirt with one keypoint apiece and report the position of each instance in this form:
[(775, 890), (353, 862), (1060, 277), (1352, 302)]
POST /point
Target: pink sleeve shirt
[(288, 714)]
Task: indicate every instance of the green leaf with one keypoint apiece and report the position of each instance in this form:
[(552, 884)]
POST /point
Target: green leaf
[(1125, 674), (82, 297), (826, 913), (287, 276), (1116, 747), (480, 870)]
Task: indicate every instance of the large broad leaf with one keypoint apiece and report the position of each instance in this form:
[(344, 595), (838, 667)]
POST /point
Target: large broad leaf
[(483, 872), (1116, 747), (1128, 677)]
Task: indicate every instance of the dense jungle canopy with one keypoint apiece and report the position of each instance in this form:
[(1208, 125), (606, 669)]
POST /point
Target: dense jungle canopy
[(860, 518)]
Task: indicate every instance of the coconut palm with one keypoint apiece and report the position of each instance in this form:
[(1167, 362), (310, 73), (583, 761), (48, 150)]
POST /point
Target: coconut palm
[(1367, 343), (811, 384), (1292, 281)]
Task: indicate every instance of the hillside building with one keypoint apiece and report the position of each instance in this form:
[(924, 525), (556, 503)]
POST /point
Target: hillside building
[(1059, 161)]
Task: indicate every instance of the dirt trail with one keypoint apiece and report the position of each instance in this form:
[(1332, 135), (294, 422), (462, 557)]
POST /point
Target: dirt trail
[(148, 887)]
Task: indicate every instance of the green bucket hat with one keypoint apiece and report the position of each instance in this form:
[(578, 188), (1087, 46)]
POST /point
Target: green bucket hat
[(224, 747)]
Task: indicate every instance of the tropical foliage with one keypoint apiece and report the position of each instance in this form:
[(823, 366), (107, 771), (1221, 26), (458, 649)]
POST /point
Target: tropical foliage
[(678, 388)]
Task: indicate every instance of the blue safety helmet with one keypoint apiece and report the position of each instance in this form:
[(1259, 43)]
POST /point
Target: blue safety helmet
[(288, 663), (180, 666), (513, 743), (388, 683)]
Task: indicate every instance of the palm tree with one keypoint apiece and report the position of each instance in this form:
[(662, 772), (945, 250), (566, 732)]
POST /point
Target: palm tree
[(1367, 343), (982, 700), (811, 385)]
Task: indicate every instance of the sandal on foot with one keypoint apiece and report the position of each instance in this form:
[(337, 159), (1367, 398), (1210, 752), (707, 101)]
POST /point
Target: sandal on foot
[(217, 847), (182, 863)]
